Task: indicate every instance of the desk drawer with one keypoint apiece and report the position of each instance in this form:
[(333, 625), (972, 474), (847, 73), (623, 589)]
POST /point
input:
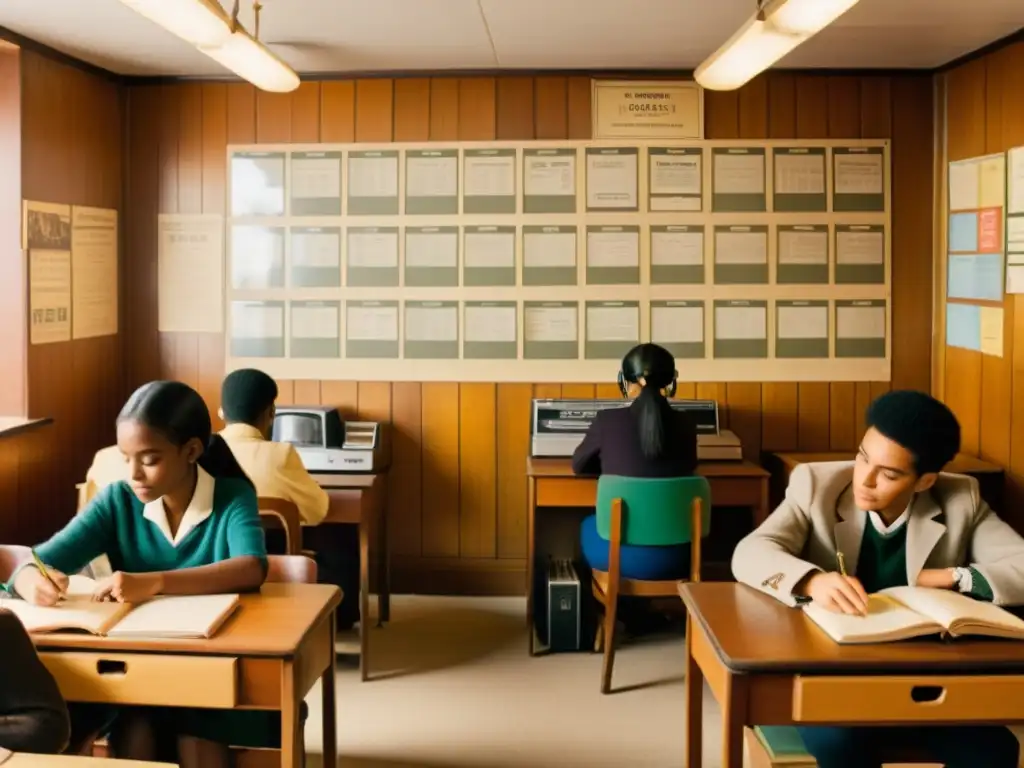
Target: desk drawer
[(145, 679), (907, 699)]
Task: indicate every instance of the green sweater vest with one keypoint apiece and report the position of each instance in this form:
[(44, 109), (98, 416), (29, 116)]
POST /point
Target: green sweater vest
[(883, 563)]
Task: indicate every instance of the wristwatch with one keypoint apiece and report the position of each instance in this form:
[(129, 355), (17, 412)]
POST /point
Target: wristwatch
[(962, 580)]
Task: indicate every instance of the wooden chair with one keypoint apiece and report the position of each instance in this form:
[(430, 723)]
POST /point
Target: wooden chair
[(644, 512), (281, 514), (295, 569)]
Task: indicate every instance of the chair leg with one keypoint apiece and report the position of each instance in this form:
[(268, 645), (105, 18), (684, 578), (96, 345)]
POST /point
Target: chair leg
[(599, 635), (609, 645)]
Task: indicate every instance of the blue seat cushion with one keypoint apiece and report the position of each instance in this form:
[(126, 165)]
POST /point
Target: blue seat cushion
[(645, 563)]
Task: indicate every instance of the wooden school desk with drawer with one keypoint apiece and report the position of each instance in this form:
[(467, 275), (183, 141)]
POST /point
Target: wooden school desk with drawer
[(552, 484), (768, 664), (267, 656)]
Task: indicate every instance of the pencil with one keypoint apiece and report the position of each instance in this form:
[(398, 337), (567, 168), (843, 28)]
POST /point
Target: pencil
[(46, 573), (842, 563)]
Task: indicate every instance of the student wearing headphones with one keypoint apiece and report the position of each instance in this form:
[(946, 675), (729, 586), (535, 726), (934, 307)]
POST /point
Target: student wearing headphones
[(645, 439)]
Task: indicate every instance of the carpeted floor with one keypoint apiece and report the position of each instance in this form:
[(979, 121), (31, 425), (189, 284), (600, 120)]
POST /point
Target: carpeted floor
[(455, 688)]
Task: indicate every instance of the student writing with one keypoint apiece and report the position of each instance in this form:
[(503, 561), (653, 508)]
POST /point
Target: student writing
[(897, 522), (185, 522)]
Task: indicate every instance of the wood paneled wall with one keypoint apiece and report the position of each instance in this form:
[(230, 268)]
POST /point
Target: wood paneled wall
[(985, 114), (71, 149), (458, 493)]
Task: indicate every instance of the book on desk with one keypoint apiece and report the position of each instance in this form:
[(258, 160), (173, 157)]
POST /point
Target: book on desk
[(557, 427), (192, 616), (903, 613)]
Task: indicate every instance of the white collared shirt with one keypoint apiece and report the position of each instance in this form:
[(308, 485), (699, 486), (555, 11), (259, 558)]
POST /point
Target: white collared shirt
[(885, 529), (199, 508)]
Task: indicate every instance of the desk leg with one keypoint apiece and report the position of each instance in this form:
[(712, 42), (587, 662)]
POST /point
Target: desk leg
[(292, 747), (383, 559), (734, 713), (761, 511), (364, 600), (330, 718), (531, 536), (694, 684)]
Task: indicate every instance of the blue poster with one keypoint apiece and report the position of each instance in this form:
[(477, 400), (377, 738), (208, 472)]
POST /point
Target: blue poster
[(975, 276), (963, 232), (963, 326)]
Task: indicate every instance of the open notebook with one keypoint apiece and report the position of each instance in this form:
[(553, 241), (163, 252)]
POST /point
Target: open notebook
[(901, 613), (172, 617)]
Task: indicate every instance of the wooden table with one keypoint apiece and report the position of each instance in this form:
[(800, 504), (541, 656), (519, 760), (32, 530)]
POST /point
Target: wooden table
[(990, 477), (363, 500), (267, 656), (767, 664), (25, 760), (553, 484)]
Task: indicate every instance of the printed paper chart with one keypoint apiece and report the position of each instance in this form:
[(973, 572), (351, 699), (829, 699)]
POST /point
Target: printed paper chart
[(547, 261), (976, 259)]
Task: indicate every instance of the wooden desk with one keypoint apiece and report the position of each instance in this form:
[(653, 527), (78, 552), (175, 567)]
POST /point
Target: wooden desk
[(363, 500), (768, 664), (990, 477), (553, 484), (267, 656), (25, 760)]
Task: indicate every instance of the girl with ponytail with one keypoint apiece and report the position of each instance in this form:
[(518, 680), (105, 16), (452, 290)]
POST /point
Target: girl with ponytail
[(649, 438), (646, 439), (184, 522)]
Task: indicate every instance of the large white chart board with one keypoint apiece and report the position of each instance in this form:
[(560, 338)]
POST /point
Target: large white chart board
[(546, 261)]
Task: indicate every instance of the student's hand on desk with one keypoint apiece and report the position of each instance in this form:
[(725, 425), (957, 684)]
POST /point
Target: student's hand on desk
[(128, 587), (838, 593), (937, 578), (35, 588)]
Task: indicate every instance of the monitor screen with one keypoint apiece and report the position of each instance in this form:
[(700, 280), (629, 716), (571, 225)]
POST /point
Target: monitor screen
[(305, 429)]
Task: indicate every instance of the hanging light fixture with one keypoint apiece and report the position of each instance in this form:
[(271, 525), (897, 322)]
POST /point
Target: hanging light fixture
[(773, 31), (205, 24)]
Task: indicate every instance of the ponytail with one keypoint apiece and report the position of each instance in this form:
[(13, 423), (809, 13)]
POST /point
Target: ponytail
[(651, 410), (219, 462)]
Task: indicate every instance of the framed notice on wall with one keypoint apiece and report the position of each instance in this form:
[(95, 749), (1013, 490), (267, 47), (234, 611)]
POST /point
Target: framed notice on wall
[(547, 261), (657, 109)]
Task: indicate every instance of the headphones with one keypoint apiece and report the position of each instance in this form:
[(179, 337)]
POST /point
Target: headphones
[(623, 382)]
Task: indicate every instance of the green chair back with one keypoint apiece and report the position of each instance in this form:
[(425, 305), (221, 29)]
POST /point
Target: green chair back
[(656, 511)]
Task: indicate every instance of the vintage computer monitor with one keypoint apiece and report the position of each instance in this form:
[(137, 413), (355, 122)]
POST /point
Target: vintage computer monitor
[(325, 442)]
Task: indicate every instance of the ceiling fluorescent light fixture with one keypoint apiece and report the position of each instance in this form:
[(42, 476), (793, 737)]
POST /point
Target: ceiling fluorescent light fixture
[(807, 17), (199, 22), (251, 60), (753, 49)]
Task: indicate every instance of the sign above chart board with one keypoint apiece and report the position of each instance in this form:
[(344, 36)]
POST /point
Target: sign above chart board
[(546, 261), (656, 109)]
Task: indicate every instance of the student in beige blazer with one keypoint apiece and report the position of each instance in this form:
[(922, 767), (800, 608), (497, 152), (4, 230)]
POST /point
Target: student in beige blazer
[(897, 520)]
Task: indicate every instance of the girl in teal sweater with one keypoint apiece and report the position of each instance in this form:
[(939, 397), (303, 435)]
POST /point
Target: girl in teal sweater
[(185, 523)]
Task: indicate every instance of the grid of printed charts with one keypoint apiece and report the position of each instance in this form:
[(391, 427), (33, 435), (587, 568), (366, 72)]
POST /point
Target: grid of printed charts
[(537, 261)]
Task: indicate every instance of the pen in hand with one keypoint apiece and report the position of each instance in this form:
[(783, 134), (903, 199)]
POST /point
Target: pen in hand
[(842, 563), (46, 573)]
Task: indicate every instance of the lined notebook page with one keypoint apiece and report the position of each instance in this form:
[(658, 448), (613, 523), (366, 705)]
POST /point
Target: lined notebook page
[(182, 617)]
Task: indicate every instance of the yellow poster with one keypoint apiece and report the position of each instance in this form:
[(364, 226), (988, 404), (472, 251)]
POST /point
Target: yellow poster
[(993, 182), (992, 331), (94, 272), (49, 296)]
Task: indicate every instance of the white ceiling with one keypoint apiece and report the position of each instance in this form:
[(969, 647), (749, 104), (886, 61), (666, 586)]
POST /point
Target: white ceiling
[(382, 35)]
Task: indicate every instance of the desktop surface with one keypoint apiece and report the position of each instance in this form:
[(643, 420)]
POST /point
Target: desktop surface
[(753, 632)]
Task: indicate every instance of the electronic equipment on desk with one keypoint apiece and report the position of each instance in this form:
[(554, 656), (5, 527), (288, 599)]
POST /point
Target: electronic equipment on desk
[(326, 443), (558, 426)]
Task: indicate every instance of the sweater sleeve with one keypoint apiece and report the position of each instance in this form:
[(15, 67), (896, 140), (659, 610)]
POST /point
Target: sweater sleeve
[(33, 716), (88, 535), (980, 588), (245, 533)]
